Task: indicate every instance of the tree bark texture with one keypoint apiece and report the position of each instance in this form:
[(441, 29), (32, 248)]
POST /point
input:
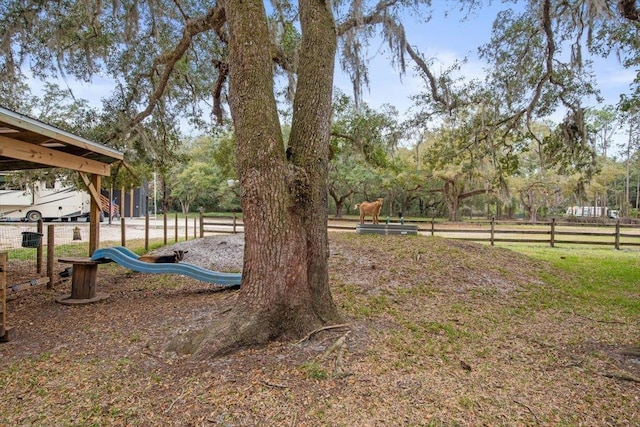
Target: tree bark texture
[(452, 198), (310, 140), (285, 288)]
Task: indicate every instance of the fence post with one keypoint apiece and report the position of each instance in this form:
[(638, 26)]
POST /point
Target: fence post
[(195, 228), (176, 228), (111, 207), (552, 238), (186, 227), (123, 232), (4, 336), (617, 234), (39, 229), (493, 224), (51, 247), (201, 224), (122, 210), (234, 223), (146, 232), (131, 193), (433, 220), (164, 224)]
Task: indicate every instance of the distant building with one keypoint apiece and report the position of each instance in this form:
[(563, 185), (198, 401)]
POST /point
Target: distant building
[(136, 201)]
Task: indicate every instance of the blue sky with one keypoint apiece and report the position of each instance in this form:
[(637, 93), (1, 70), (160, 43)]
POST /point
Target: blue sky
[(446, 39)]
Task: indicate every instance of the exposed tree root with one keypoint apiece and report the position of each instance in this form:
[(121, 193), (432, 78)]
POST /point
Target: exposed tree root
[(616, 322), (631, 351), (339, 348), (237, 330), (621, 376), (324, 328), (529, 409), (221, 337)]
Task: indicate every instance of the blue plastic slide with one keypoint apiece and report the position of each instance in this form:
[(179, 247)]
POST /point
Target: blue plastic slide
[(129, 259)]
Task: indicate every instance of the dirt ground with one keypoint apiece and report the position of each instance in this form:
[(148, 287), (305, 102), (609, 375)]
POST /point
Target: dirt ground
[(435, 333)]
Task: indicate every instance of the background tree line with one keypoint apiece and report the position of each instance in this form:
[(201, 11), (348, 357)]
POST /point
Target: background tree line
[(443, 170)]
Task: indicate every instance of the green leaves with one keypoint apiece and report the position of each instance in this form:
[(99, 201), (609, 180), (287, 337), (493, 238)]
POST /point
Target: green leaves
[(364, 132), (202, 178)]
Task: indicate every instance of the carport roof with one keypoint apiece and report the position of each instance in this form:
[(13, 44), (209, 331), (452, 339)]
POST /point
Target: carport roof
[(27, 143)]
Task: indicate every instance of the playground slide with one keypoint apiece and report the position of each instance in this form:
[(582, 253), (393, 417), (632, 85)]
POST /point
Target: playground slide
[(129, 259)]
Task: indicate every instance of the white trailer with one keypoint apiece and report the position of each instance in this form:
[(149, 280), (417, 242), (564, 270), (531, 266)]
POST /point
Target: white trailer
[(42, 201), (592, 211)]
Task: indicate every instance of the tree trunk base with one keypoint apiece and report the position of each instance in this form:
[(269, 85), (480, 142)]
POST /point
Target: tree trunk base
[(236, 330)]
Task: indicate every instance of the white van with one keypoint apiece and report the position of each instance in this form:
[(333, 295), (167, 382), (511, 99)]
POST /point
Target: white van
[(594, 212)]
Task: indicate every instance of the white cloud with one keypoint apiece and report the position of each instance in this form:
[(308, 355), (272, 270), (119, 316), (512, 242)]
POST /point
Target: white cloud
[(611, 77)]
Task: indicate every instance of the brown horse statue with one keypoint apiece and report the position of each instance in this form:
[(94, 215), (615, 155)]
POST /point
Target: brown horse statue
[(370, 208)]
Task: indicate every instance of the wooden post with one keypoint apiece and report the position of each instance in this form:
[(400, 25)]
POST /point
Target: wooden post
[(94, 217), (433, 221), (234, 223), (51, 248), (195, 227), (201, 225), (617, 240), (123, 232), (493, 224), (176, 228), (110, 204), (552, 238), (146, 232), (39, 249), (4, 258), (164, 226), (122, 210), (186, 228), (131, 202)]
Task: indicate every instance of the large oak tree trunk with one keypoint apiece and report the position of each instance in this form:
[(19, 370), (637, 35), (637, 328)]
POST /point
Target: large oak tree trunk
[(452, 198), (310, 138), (285, 287)]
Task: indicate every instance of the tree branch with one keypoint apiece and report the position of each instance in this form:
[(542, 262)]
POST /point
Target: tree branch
[(448, 104), (473, 193), (379, 16), (214, 19), (343, 135), (223, 73)]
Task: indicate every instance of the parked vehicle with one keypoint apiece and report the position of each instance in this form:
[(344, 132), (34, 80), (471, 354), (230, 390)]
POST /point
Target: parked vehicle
[(44, 201), (593, 211)]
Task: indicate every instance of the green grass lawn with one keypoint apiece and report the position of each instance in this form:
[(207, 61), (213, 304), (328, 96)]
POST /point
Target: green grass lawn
[(597, 278)]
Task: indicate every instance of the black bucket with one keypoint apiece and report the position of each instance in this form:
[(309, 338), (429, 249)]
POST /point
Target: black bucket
[(31, 239)]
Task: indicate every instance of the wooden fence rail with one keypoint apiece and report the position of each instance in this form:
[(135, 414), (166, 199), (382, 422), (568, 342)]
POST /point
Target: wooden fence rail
[(491, 231), (220, 224), (550, 233)]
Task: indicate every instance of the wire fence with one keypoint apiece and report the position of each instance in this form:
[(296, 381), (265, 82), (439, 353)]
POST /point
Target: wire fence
[(33, 249), (27, 246), (21, 239)]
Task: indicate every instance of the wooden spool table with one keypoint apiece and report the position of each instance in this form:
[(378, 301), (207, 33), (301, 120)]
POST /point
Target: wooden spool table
[(83, 282)]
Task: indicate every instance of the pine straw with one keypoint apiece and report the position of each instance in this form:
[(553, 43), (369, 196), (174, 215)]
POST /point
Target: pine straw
[(439, 333)]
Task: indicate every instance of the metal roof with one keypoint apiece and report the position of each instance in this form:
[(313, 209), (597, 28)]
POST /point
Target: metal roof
[(27, 143)]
